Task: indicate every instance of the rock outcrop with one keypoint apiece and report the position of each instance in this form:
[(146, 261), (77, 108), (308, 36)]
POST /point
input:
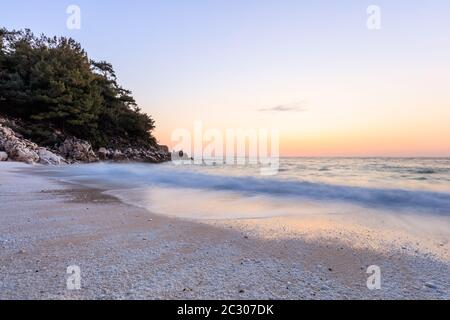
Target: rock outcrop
[(49, 158), (76, 150), (103, 154), (13, 147), (19, 149), (152, 155)]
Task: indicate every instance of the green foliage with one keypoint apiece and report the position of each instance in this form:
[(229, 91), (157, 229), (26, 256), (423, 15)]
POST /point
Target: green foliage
[(51, 83)]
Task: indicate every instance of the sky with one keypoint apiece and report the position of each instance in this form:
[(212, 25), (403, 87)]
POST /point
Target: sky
[(311, 69)]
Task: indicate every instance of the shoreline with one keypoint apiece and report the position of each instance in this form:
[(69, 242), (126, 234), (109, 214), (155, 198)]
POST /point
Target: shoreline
[(126, 252)]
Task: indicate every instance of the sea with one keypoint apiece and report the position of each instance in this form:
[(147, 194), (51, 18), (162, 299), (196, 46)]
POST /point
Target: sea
[(393, 186)]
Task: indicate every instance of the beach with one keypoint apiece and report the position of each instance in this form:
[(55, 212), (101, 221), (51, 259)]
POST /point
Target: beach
[(126, 251)]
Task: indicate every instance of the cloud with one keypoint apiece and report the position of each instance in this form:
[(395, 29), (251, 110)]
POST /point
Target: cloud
[(292, 107)]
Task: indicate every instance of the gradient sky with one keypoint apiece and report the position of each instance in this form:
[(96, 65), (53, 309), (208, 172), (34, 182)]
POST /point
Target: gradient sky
[(309, 68)]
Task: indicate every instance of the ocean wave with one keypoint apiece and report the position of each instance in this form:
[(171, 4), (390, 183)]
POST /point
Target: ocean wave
[(147, 175), (425, 171)]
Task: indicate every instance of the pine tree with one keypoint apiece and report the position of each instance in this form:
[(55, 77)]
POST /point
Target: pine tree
[(51, 82)]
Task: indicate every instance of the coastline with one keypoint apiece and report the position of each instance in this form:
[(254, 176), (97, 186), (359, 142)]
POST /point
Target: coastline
[(126, 252)]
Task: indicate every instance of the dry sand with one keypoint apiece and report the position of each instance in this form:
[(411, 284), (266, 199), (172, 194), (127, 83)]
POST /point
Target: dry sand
[(126, 252)]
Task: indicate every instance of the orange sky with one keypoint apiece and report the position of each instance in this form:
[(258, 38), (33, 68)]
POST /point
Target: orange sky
[(407, 114)]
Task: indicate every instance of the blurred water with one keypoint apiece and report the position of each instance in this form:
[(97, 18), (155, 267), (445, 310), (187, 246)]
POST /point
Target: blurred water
[(408, 185), (427, 174)]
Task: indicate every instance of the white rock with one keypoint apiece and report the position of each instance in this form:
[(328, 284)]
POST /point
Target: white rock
[(17, 148), (49, 158), (3, 156), (78, 150), (23, 154)]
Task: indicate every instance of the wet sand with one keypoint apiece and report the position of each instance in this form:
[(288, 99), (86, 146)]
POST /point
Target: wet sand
[(126, 252)]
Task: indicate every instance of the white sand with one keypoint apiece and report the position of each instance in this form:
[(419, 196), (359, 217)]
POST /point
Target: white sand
[(126, 252)]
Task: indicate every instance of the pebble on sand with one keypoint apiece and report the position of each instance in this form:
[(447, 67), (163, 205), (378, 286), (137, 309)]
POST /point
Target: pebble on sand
[(430, 285)]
